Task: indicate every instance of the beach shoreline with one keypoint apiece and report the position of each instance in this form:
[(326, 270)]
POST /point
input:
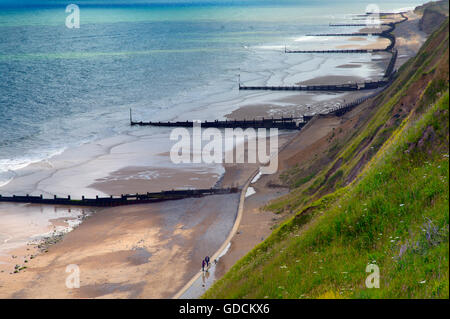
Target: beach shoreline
[(114, 167)]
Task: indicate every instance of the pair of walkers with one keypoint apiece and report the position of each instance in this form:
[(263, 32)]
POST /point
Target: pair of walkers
[(205, 263)]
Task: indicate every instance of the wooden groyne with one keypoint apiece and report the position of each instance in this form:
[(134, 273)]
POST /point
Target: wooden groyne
[(387, 13), (334, 51), (342, 109), (367, 85), (391, 65), (382, 15), (353, 24), (385, 33), (405, 18), (284, 123), (127, 199), (354, 34), (391, 46)]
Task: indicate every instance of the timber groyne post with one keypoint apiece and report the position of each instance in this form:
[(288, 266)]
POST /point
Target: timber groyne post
[(127, 199)]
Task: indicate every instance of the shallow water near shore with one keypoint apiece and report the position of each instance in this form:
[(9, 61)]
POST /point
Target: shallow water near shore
[(27, 225), (62, 88)]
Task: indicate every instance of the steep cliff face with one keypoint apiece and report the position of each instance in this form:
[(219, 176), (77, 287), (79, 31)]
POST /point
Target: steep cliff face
[(433, 15), (381, 199)]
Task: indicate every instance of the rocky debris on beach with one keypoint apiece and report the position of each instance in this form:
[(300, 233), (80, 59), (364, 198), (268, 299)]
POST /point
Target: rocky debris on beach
[(43, 244)]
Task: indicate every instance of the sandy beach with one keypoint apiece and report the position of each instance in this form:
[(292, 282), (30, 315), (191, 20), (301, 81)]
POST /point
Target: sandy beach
[(144, 251), (153, 250), (380, 43)]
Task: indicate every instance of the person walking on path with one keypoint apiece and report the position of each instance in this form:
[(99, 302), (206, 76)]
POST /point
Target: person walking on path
[(207, 261), (203, 265)]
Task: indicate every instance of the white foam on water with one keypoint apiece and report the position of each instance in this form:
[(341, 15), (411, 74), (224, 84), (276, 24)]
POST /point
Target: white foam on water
[(270, 47), (307, 38), (5, 181), (8, 167)]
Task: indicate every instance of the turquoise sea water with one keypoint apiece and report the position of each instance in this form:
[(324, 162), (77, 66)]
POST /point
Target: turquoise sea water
[(60, 87)]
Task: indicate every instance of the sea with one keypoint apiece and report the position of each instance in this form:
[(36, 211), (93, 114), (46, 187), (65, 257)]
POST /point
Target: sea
[(64, 87)]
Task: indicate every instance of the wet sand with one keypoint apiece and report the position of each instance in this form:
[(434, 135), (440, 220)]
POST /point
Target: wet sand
[(148, 179), (163, 242), (141, 251), (335, 79), (349, 66), (297, 105), (409, 38), (380, 43), (24, 226)]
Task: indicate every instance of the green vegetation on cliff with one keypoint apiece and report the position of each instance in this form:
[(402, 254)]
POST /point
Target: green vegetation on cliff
[(381, 197)]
